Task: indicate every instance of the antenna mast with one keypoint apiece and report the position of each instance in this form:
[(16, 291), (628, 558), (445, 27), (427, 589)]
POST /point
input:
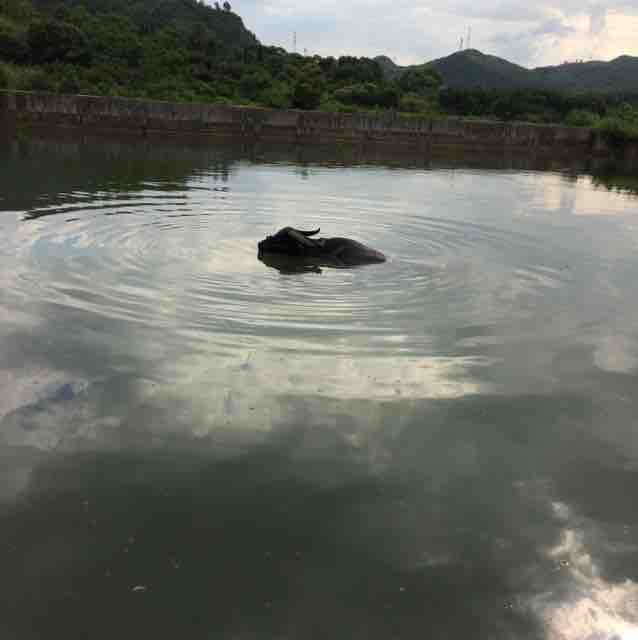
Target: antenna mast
[(469, 37), (294, 42)]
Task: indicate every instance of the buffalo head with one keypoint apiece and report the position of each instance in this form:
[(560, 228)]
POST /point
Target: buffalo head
[(291, 242)]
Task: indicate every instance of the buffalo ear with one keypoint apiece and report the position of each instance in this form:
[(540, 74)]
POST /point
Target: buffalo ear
[(309, 233)]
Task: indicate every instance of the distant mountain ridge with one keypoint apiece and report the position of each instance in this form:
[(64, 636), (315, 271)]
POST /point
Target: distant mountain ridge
[(471, 69)]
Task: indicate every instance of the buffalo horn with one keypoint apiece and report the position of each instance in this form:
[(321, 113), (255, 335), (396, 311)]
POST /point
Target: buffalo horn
[(302, 238)]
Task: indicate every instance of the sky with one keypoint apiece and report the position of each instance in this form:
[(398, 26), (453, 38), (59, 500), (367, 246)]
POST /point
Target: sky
[(531, 34)]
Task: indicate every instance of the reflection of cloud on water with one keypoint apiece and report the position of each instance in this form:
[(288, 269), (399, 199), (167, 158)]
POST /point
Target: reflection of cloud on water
[(228, 402), (554, 194), (56, 415), (339, 377), (617, 354), (21, 388), (410, 504), (586, 606)]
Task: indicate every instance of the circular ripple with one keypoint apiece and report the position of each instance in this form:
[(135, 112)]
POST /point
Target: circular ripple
[(183, 257)]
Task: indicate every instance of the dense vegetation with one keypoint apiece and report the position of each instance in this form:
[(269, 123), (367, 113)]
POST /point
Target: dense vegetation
[(186, 50), (616, 114), (183, 50)]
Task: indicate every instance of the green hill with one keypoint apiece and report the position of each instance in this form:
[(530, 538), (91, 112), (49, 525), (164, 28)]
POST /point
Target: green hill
[(471, 69), (468, 69), (620, 74), (149, 16), (170, 49)]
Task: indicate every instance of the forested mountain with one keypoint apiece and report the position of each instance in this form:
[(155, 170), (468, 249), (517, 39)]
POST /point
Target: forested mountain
[(471, 69)]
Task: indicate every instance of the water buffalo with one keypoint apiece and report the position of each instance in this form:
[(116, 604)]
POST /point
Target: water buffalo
[(293, 251)]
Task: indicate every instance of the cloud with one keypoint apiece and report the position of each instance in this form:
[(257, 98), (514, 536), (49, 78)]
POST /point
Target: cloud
[(555, 27), (531, 34), (597, 20)]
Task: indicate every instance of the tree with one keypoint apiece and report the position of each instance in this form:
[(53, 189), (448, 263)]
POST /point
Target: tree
[(4, 78), (15, 9), (368, 94), (54, 41), (227, 6), (421, 81), (306, 95), (276, 95), (352, 70), (198, 37), (13, 46), (69, 82), (253, 83)]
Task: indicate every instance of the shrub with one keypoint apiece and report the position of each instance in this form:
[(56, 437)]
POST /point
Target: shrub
[(328, 103), (306, 95), (628, 113), (37, 80), (277, 96), (618, 131), (411, 103), (254, 82), (70, 82), (368, 94), (581, 118)]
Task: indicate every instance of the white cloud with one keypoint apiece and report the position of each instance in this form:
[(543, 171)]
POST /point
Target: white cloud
[(531, 34)]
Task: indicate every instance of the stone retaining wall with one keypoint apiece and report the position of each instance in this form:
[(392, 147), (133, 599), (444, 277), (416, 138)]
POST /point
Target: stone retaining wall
[(268, 125)]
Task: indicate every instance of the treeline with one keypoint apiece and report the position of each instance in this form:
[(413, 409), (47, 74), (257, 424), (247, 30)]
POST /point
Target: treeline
[(616, 114), (184, 50)]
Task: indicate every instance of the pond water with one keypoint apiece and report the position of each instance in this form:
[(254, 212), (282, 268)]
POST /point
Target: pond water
[(196, 445)]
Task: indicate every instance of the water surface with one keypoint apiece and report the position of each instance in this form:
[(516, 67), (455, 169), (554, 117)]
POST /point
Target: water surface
[(194, 444)]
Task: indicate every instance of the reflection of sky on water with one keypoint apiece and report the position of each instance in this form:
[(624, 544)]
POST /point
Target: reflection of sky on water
[(588, 606), (495, 352)]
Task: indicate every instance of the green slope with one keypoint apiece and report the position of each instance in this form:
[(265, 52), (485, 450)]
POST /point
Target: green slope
[(620, 74), (152, 15), (470, 69)]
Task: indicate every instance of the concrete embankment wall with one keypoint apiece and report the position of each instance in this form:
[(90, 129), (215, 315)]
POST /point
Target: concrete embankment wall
[(268, 125)]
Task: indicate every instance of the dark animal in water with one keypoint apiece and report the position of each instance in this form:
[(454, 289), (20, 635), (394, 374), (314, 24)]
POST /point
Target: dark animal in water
[(292, 250)]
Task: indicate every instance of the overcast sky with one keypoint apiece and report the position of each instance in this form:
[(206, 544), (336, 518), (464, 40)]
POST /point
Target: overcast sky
[(412, 31)]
